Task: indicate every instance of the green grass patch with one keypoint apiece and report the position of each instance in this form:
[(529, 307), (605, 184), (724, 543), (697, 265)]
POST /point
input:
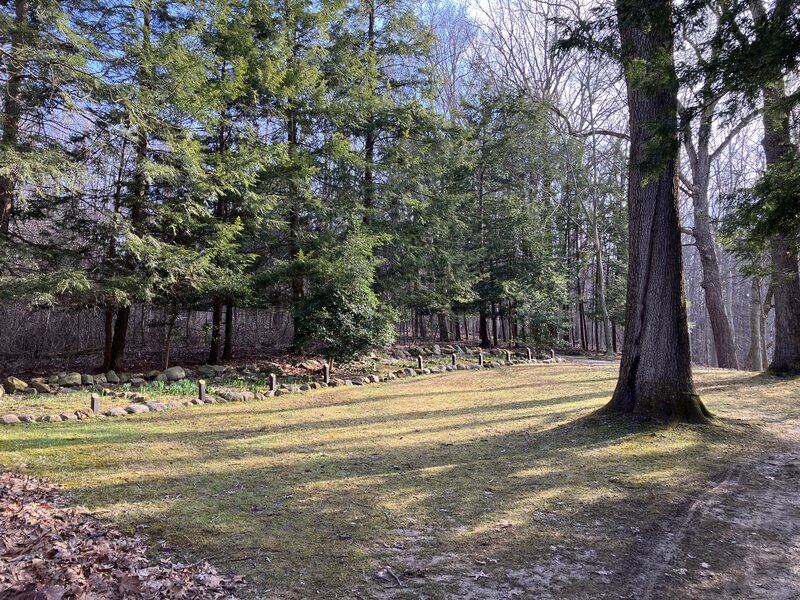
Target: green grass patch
[(309, 495)]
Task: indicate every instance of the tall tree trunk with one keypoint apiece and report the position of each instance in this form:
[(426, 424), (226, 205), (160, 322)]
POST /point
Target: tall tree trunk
[(778, 146), (227, 351), (444, 332), (483, 326), (173, 316), (108, 338), (216, 332), (11, 111), (754, 354), (494, 324), (120, 334), (700, 160), (369, 135), (655, 377)]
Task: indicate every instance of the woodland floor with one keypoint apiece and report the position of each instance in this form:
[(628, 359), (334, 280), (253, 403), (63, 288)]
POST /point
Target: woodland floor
[(490, 484)]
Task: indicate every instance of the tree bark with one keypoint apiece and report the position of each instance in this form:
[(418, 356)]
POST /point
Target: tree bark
[(11, 111), (216, 332), (754, 354), (444, 332), (484, 328), (120, 334), (777, 144), (227, 351), (655, 377)]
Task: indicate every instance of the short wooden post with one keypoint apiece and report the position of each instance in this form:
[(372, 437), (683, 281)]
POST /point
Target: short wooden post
[(552, 354), (530, 354), (201, 384), (454, 358), (95, 405), (273, 382), (326, 374), (480, 359), (419, 362), (508, 355)]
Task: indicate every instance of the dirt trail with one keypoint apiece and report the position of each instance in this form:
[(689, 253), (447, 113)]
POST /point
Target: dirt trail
[(740, 539)]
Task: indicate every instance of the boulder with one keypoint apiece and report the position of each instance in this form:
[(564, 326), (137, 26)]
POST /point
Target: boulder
[(70, 379), (136, 409), (87, 380), (84, 413), (27, 418), (50, 419), (137, 381), (358, 381), (100, 379), (155, 406), (53, 380), (272, 368), (374, 379), (234, 396), (175, 374), (336, 382), (408, 371), (174, 404), (42, 388), (112, 377), (65, 416), (248, 396), (9, 419), (311, 365), (152, 374), (14, 384), (124, 377), (437, 350), (115, 412), (206, 371)]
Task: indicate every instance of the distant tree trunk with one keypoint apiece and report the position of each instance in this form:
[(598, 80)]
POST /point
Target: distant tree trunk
[(778, 145), (494, 324), (108, 338), (457, 328), (216, 332), (700, 161), (655, 377), (173, 316), (423, 333), (11, 110), (755, 353), (120, 333), (227, 351), (483, 326), (444, 332)]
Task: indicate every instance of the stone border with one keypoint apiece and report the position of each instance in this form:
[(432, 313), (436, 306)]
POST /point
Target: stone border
[(141, 405)]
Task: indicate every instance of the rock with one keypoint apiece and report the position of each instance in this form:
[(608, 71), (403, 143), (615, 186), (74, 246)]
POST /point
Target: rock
[(314, 385), (137, 381), (70, 379), (336, 382), (87, 380), (65, 416), (14, 384), (437, 350), (374, 379), (42, 388), (100, 379), (84, 413), (357, 381), (260, 396), (311, 365), (136, 409), (426, 371), (175, 374), (115, 412), (50, 419), (273, 368), (162, 378), (211, 400), (174, 404), (155, 406), (112, 377), (305, 387), (9, 419), (409, 372), (206, 371), (53, 380), (234, 396), (125, 377), (27, 418), (248, 396)]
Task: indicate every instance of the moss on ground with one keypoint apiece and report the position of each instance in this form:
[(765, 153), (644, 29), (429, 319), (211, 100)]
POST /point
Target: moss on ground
[(500, 472)]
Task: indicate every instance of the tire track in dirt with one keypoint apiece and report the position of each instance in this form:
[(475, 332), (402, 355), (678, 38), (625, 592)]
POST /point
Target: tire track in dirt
[(738, 539)]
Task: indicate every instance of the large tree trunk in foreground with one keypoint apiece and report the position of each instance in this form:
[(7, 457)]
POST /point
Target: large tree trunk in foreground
[(655, 377)]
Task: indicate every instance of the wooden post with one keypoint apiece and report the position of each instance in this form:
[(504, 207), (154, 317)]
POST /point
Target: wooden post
[(454, 358), (419, 362), (552, 353), (273, 382), (201, 384), (95, 404), (508, 355), (480, 359), (530, 354), (326, 374)]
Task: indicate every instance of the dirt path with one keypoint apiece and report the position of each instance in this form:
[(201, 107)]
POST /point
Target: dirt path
[(739, 539)]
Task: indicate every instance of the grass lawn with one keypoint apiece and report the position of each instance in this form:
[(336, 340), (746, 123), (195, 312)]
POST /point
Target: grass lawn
[(464, 484)]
